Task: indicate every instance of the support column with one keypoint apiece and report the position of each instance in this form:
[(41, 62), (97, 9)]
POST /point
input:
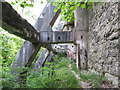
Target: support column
[(29, 50), (78, 60), (40, 62), (26, 54), (80, 36)]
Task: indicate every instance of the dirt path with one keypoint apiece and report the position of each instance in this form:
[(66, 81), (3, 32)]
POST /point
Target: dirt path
[(82, 84), (105, 84)]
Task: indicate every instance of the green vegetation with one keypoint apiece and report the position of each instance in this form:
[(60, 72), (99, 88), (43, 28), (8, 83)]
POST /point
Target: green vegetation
[(93, 78), (23, 3), (9, 46), (68, 8), (54, 75)]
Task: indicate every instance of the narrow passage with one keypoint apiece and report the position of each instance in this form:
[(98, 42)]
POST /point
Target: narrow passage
[(82, 83)]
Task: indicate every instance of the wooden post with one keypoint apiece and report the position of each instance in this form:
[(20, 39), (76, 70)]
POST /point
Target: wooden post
[(15, 24)]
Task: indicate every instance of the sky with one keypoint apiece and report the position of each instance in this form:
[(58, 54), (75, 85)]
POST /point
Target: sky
[(36, 10)]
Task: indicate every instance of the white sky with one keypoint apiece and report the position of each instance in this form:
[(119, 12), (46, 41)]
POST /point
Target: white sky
[(36, 10)]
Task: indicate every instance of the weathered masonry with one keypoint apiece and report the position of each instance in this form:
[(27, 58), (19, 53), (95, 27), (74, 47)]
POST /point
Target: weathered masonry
[(103, 40), (95, 35)]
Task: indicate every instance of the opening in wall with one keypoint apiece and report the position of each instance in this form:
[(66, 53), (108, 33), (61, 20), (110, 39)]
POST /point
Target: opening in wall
[(59, 38), (81, 37), (48, 38)]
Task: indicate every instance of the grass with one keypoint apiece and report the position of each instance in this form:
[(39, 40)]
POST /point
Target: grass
[(63, 79), (93, 78)]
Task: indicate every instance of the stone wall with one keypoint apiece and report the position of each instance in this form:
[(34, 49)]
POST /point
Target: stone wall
[(103, 40)]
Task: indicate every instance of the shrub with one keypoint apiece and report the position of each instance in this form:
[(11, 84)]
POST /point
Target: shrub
[(56, 75)]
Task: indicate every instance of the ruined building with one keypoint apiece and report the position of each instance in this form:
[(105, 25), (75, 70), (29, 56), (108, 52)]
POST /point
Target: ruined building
[(94, 36)]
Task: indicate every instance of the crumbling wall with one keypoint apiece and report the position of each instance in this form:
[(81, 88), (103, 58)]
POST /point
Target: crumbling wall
[(103, 40)]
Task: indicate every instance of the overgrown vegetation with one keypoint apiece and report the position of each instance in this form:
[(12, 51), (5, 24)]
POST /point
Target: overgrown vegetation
[(9, 46), (54, 75), (95, 79), (67, 7)]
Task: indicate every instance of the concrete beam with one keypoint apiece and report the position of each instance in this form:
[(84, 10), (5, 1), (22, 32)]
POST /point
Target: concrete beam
[(41, 59), (15, 24), (56, 37), (28, 52)]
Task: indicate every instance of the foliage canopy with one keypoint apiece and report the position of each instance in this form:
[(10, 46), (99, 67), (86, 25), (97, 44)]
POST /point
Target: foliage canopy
[(67, 8)]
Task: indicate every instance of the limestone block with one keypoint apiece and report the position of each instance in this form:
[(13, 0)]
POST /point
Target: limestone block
[(114, 68), (113, 79), (114, 36)]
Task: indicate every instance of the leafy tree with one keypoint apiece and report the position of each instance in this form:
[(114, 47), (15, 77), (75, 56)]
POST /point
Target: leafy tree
[(68, 8)]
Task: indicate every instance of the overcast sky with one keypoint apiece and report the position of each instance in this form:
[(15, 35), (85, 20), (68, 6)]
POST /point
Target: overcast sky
[(36, 10)]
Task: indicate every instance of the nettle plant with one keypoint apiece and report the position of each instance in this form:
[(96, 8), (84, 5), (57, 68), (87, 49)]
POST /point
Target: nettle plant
[(68, 8)]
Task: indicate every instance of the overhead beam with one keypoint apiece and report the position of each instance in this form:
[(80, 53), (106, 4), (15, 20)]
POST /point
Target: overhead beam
[(15, 24), (56, 37), (28, 51), (55, 17)]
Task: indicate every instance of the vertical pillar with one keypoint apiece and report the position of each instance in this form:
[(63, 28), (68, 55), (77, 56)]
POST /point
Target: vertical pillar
[(80, 36), (78, 62)]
